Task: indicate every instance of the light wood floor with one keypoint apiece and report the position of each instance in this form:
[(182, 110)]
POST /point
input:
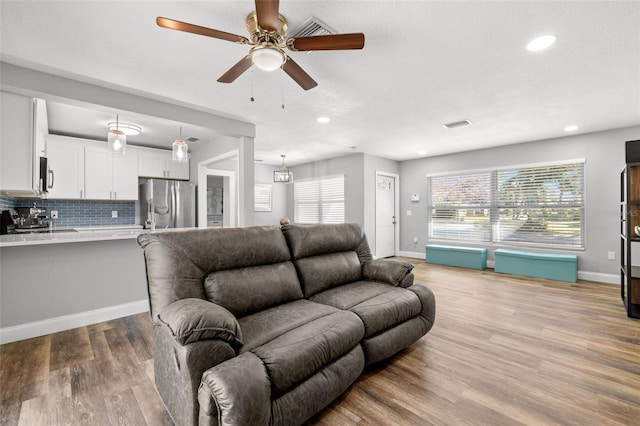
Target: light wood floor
[(504, 351)]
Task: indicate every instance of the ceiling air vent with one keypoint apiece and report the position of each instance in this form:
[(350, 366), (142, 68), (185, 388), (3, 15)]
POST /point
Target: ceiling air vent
[(192, 140), (311, 27), (456, 124)]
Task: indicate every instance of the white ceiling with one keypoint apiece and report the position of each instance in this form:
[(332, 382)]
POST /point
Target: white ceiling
[(424, 63)]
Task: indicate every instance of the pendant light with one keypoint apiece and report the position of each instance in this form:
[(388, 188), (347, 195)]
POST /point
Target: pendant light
[(180, 150), (116, 139), (283, 175)]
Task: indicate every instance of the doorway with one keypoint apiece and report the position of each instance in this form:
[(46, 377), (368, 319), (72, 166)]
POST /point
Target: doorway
[(218, 192), (387, 238)]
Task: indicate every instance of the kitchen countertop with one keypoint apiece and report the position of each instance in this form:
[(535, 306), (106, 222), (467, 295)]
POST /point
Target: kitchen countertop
[(73, 235)]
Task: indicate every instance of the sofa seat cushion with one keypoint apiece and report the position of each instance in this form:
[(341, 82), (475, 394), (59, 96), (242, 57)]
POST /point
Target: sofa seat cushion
[(296, 339), (379, 306), (263, 326), (301, 352)]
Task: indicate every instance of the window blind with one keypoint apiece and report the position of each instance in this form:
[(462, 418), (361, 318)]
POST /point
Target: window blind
[(460, 207), (540, 205), (262, 197), (319, 200)]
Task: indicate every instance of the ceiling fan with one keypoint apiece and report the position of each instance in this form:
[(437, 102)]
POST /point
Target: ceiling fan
[(267, 29)]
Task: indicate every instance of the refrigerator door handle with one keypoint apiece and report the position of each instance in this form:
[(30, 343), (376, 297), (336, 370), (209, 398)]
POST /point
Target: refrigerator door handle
[(175, 202)]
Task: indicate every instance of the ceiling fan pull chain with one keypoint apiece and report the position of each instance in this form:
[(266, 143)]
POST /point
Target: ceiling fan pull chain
[(282, 84), (252, 98)]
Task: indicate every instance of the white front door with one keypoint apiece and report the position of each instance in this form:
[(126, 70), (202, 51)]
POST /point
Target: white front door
[(385, 216)]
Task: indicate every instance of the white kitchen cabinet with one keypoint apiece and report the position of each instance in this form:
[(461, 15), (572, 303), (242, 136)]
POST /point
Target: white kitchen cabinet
[(177, 170), (125, 175), (85, 169), (157, 163), (98, 175), (23, 126), (66, 167)]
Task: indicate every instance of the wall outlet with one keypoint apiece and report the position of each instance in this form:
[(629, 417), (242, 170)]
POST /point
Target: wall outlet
[(611, 255), (409, 212), (415, 240), (114, 213), (54, 214)]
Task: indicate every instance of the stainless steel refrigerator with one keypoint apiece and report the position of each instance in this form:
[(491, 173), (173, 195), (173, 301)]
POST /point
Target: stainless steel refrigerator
[(167, 204)]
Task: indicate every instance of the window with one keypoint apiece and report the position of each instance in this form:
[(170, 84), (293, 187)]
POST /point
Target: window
[(262, 197), (541, 205), (319, 200), (460, 207)]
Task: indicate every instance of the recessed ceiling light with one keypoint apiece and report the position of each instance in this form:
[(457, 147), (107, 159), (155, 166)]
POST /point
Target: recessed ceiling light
[(455, 124), (323, 119), (541, 43), (422, 152), (571, 128)]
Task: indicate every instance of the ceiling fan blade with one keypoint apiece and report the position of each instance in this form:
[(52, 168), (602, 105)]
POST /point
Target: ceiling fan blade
[(197, 29), (236, 70), (267, 14), (327, 42), (298, 74)]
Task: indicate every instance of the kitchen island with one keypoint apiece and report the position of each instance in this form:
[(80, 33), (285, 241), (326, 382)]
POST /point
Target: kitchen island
[(56, 281)]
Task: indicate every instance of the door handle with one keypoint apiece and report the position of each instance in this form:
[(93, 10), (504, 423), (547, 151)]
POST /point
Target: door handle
[(52, 178)]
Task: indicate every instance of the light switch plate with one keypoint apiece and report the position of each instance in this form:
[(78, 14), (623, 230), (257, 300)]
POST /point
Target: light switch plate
[(114, 213)]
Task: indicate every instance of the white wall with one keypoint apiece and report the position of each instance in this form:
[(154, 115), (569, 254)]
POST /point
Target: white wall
[(352, 167), (604, 159), (219, 147), (360, 186), (52, 287), (264, 174)]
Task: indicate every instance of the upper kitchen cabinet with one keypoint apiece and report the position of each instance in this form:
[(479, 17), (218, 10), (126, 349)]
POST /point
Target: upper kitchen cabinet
[(85, 169), (66, 167), (157, 163), (23, 126), (110, 176)]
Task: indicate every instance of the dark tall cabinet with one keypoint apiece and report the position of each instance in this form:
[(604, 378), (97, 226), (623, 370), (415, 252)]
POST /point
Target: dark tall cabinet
[(629, 234)]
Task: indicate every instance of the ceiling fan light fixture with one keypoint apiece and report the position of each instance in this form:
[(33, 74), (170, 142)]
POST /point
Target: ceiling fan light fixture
[(267, 58)]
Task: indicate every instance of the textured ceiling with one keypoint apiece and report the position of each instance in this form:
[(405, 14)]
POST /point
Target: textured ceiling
[(425, 63)]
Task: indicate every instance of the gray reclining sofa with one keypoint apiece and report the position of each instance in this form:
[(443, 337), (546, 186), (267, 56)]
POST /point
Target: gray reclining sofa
[(268, 325)]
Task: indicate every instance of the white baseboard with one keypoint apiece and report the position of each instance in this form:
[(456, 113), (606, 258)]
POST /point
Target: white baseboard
[(67, 322), (599, 277), (582, 275), (411, 254)]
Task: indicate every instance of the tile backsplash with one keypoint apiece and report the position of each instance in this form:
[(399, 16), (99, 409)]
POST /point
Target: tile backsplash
[(81, 212)]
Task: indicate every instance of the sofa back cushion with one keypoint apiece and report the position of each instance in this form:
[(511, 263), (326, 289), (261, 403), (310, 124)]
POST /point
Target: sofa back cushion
[(246, 290), (327, 255), (318, 273), (177, 261)]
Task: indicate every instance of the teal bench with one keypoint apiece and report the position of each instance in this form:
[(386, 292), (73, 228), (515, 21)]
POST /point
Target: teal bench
[(465, 257), (562, 267)]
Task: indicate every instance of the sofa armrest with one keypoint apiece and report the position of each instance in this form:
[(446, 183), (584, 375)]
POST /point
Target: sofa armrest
[(236, 392), (192, 320), (390, 271), (428, 300)]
